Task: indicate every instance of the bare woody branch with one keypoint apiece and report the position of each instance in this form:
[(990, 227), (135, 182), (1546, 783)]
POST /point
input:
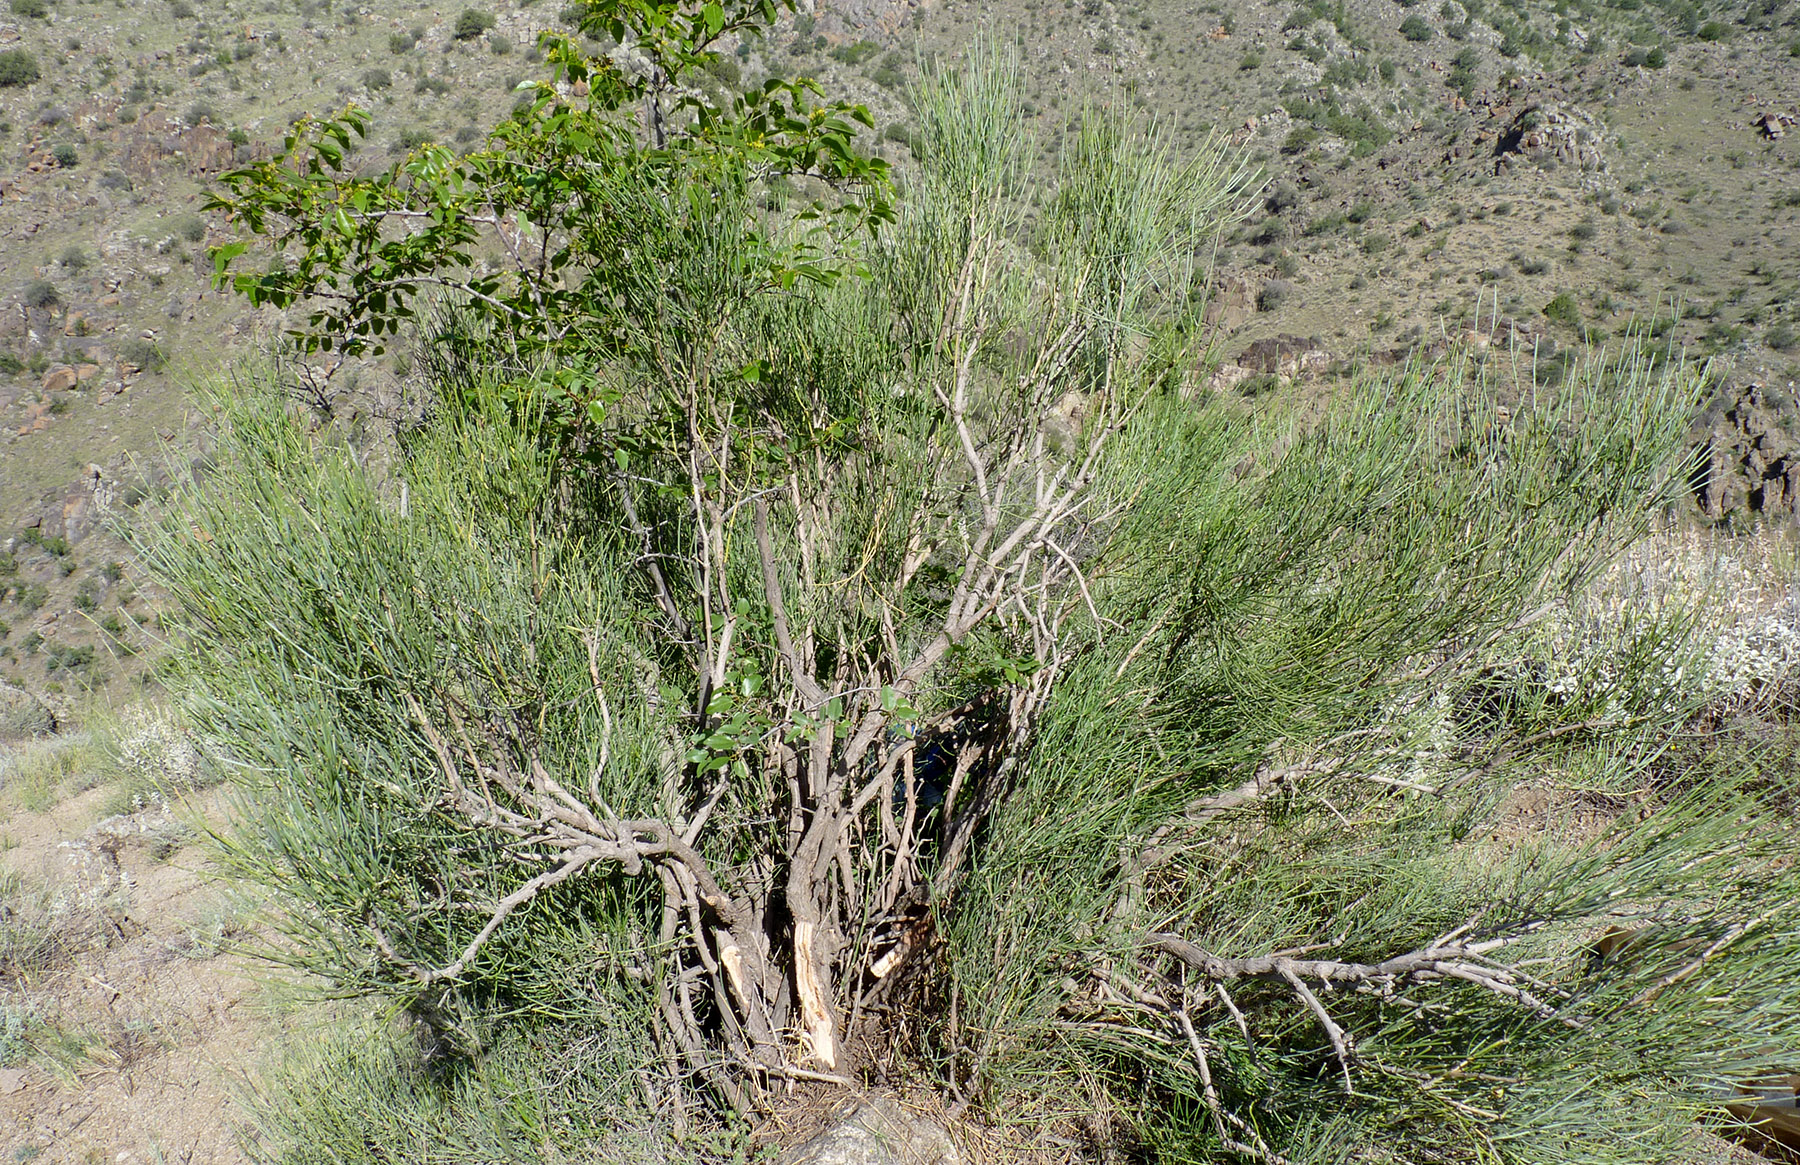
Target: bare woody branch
[(1453, 961)]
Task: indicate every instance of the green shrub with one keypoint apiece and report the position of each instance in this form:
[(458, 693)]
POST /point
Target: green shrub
[(1563, 310), (1299, 139), (40, 293), (55, 545), (377, 79), (855, 54), (748, 601), (145, 354), (724, 69), (31, 596), (471, 23), (1714, 31), (1656, 58), (10, 365), (1415, 28), (1249, 61), (69, 658), (17, 67), (190, 227), (31, 8), (400, 43), (65, 155)]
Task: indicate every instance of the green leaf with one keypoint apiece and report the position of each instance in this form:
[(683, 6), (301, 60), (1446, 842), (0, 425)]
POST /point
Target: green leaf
[(223, 255)]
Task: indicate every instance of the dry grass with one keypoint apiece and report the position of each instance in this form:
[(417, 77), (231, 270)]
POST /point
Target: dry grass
[(37, 774)]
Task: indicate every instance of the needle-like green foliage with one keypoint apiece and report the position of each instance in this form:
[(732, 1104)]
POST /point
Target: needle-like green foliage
[(765, 679)]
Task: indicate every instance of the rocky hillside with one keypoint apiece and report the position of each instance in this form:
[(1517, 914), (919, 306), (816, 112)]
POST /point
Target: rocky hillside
[(1516, 176)]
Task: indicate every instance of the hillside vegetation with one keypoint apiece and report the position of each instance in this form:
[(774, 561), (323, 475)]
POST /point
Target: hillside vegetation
[(1530, 177), (1012, 573)]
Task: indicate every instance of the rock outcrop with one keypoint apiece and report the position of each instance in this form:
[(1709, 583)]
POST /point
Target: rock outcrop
[(1233, 302), (1289, 357), (1774, 125), (1550, 132), (1749, 463), (77, 511)]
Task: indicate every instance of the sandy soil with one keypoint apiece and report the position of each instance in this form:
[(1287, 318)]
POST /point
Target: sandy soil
[(150, 1027)]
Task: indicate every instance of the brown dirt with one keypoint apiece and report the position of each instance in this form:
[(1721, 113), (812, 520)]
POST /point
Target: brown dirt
[(152, 1024)]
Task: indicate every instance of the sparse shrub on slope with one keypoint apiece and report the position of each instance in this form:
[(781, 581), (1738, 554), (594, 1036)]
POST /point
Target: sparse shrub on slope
[(40, 293), (1564, 310), (471, 23), (17, 67)]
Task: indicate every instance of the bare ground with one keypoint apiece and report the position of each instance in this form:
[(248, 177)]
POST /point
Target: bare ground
[(142, 1025)]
